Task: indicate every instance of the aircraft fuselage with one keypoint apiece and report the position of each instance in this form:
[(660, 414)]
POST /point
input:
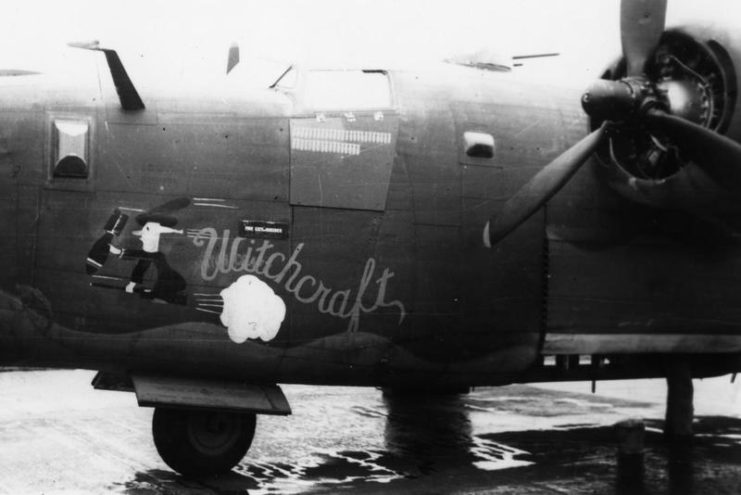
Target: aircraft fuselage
[(261, 236)]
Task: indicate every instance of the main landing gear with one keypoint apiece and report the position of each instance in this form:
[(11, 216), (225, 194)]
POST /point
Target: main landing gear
[(679, 407), (202, 442)]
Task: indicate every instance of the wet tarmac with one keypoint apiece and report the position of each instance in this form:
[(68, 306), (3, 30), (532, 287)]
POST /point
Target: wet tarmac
[(58, 435)]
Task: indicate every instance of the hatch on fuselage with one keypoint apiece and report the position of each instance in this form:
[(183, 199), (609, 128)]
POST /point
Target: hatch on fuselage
[(343, 135)]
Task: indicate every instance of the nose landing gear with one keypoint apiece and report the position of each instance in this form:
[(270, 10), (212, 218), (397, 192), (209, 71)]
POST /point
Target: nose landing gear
[(202, 443)]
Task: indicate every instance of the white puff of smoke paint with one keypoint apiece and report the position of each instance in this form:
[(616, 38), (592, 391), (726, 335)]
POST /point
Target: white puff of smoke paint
[(251, 310)]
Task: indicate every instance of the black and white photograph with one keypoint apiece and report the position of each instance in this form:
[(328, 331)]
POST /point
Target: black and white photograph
[(375, 247)]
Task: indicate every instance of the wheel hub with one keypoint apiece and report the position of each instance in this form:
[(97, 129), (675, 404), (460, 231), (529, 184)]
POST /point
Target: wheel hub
[(213, 433)]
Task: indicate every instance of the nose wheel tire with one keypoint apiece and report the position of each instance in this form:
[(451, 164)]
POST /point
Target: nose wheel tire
[(201, 443)]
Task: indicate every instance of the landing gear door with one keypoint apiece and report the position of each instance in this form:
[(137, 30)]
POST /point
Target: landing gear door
[(343, 140)]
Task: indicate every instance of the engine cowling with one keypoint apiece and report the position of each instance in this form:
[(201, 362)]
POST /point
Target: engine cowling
[(691, 79)]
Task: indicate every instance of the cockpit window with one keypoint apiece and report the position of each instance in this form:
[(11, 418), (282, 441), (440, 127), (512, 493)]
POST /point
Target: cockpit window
[(346, 90), (337, 90)]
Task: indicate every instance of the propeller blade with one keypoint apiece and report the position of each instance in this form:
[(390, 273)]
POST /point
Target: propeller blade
[(641, 25), (541, 188), (716, 154)]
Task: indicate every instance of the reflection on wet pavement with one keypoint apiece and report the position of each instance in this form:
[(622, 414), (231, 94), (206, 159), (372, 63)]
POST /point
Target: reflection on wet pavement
[(429, 429), (586, 464), (421, 436), (515, 439), (433, 445)]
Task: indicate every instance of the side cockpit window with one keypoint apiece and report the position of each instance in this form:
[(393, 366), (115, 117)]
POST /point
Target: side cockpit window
[(70, 148), (347, 90), (337, 90)]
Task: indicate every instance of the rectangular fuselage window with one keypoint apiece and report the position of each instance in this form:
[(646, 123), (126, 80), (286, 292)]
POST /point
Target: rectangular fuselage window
[(70, 148)]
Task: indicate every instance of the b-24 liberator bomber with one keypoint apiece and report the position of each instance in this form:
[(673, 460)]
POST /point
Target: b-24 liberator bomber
[(417, 231)]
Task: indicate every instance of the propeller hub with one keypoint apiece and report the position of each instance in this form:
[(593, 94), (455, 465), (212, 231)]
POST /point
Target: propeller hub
[(619, 100)]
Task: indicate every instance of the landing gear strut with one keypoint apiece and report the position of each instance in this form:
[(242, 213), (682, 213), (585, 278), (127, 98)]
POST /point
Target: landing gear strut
[(201, 443), (679, 408)]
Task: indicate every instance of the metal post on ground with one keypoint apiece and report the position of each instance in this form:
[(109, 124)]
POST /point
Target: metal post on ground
[(630, 435)]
